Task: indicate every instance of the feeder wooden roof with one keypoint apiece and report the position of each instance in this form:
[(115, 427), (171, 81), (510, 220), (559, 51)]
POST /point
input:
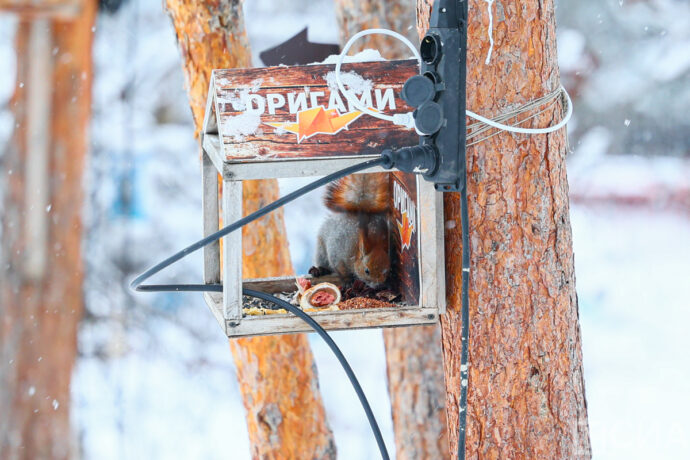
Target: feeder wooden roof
[(274, 114)]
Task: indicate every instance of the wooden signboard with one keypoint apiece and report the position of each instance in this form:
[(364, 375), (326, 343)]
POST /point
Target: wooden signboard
[(293, 122)]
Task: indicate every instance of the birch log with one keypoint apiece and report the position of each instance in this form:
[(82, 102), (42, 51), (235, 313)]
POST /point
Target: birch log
[(277, 375), (526, 388)]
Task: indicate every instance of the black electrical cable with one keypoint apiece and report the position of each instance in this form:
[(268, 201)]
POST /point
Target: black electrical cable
[(338, 354), (465, 326), (404, 160), (138, 285)]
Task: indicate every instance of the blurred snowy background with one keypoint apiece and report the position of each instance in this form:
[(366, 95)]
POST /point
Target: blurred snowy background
[(155, 379)]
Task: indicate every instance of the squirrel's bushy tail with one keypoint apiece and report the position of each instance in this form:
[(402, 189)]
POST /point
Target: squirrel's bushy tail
[(367, 193)]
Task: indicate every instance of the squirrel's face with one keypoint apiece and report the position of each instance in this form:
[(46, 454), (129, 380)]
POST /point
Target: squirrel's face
[(373, 266)]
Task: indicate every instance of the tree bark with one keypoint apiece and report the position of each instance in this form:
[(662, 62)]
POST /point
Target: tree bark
[(413, 358), (416, 388), (526, 388), (41, 279), (277, 374)]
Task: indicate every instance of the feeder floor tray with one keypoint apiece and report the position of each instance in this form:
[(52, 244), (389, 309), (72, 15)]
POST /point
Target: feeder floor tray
[(258, 307), (258, 317)]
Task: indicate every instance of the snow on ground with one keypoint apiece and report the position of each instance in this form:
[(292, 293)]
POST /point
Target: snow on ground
[(162, 402), (633, 288)]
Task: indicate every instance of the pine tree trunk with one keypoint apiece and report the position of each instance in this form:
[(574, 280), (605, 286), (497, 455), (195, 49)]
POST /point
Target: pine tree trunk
[(277, 375), (526, 388), (41, 274), (413, 354)]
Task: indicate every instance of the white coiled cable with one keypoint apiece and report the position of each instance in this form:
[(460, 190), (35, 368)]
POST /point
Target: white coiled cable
[(406, 119)]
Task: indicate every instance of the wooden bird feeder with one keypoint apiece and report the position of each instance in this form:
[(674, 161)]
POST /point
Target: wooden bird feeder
[(280, 122)]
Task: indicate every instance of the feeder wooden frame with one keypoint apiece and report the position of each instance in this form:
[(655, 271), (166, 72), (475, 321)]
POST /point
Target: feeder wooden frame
[(227, 306)]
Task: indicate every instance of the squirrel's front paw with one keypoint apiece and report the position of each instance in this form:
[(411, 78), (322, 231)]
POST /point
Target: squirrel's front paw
[(319, 271)]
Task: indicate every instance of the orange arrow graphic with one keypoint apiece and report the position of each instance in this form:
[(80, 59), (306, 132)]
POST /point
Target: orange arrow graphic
[(406, 228), (318, 121)]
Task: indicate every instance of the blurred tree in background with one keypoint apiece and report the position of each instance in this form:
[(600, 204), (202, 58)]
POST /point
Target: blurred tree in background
[(41, 267)]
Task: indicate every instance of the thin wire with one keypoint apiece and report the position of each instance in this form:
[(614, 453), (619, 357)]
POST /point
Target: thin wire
[(465, 319), (497, 132), (138, 285), (552, 96), (515, 129), (338, 354)]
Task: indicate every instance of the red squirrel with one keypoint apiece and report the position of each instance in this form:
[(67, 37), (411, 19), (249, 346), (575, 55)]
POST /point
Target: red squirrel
[(353, 240)]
